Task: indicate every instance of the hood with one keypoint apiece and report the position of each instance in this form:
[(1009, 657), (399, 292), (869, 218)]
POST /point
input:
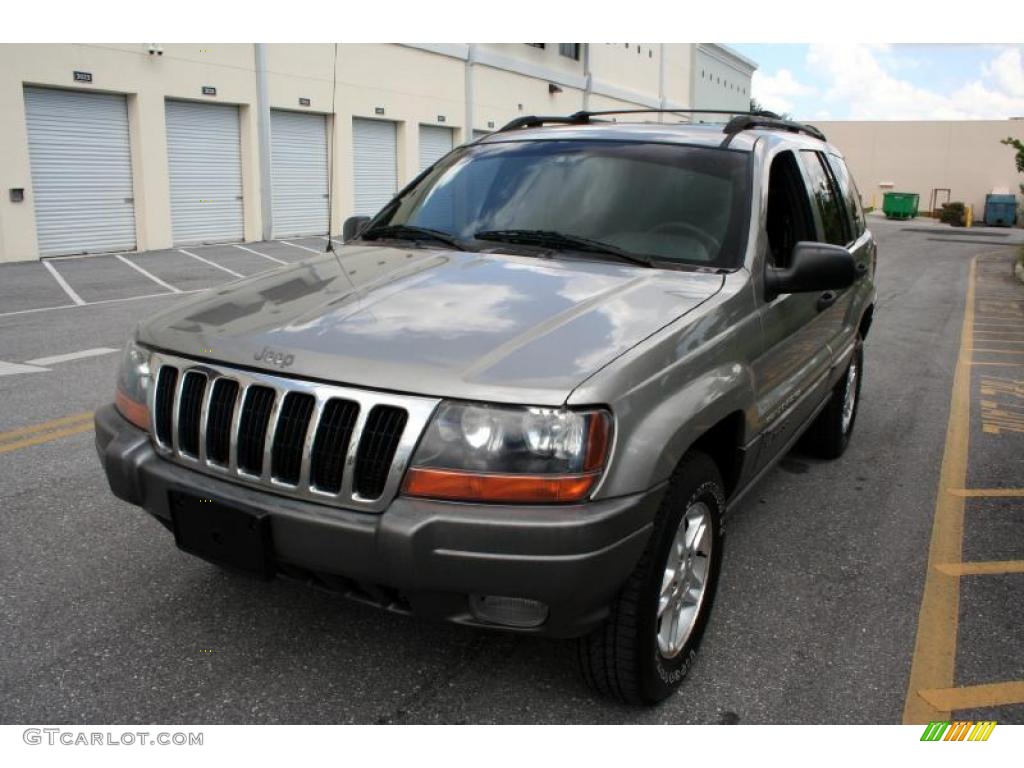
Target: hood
[(441, 323)]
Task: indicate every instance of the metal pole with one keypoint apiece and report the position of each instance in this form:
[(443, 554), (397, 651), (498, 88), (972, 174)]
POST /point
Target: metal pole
[(470, 59), (263, 137)]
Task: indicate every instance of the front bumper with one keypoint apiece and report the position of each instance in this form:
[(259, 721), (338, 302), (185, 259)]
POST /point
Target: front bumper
[(420, 556)]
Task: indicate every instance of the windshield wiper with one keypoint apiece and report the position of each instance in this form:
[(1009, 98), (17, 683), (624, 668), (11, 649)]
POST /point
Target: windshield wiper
[(552, 239), (407, 232)]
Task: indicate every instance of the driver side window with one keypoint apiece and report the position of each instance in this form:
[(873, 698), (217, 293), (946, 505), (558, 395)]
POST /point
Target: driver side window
[(789, 215)]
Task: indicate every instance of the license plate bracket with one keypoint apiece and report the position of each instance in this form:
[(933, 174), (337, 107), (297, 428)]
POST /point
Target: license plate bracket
[(228, 536)]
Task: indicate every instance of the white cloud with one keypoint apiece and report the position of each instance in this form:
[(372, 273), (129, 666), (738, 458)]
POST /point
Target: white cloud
[(1008, 71), (777, 92), (857, 83)]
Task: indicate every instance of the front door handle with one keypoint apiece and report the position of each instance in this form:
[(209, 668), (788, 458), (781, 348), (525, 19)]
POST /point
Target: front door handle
[(826, 300)]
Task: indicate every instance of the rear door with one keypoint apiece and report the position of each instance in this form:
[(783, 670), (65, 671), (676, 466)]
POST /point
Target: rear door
[(862, 245), (837, 225)]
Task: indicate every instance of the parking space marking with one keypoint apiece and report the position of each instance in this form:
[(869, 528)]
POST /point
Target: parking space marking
[(45, 432), (72, 356), (988, 493), (211, 263), (9, 369), (935, 646), (979, 568), (95, 303), (63, 283), (264, 255), (303, 247), (150, 275), (974, 696), (931, 692)]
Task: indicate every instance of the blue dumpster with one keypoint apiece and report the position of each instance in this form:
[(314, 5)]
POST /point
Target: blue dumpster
[(1000, 210)]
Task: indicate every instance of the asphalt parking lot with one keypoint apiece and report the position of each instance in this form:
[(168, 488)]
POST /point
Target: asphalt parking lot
[(828, 566)]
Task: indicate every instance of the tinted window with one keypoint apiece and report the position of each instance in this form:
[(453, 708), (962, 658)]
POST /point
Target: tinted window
[(788, 219), (848, 189), (830, 207), (671, 202)]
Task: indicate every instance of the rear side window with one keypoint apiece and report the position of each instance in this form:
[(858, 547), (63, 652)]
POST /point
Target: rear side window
[(830, 206), (848, 189)]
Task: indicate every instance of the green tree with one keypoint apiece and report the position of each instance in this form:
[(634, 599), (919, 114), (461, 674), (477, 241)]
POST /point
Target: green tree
[(1019, 146), (1019, 159)]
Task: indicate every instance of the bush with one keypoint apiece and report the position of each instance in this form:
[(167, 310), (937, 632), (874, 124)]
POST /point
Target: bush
[(953, 213)]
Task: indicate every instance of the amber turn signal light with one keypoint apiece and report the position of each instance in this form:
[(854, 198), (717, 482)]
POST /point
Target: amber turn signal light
[(136, 413), (456, 485)]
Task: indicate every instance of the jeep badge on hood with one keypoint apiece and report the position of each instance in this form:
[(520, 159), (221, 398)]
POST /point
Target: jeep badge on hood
[(273, 357)]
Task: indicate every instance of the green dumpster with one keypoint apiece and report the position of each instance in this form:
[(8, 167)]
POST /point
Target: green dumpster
[(900, 205)]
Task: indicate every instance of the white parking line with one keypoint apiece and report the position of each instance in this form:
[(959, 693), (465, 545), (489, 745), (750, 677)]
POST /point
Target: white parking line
[(265, 256), (211, 263), (8, 369), (94, 303), (303, 247), (72, 356), (151, 276), (63, 283)]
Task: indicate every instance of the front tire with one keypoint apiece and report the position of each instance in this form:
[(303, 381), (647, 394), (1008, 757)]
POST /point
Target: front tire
[(649, 642), (829, 434)]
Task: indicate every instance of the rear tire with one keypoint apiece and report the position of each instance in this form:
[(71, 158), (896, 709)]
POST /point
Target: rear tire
[(640, 655), (829, 434)]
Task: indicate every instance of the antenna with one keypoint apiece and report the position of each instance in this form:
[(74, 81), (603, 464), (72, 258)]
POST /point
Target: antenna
[(334, 149)]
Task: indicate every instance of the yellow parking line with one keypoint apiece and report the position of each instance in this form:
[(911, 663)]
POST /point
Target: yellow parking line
[(987, 493), (935, 645), (46, 425), (982, 568), (974, 696), (36, 434)]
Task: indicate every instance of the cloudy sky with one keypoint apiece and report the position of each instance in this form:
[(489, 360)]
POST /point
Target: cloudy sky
[(889, 82)]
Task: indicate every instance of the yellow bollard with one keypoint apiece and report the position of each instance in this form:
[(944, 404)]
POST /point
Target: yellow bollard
[(969, 216)]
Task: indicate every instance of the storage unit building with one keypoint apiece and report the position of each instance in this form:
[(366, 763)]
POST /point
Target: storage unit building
[(81, 171), (436, 141), (375, 166), (298, 170), (204, 160)]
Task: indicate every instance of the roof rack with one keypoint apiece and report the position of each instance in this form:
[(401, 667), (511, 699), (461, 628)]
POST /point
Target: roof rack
[(741, 122), (746, 122), (583, 116)]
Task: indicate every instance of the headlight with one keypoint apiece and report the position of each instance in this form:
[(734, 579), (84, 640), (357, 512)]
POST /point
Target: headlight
[(473, 452), (133, 383)]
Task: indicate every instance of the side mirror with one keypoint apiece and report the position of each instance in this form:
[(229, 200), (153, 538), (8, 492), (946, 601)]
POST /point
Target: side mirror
[(813, 267), (353, 226)]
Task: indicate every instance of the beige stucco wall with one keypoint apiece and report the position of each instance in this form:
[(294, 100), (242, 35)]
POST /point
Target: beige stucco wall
[(414, 85), (919, 156)]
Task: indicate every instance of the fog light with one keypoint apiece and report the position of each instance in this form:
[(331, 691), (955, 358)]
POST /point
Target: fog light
[(509, 611)]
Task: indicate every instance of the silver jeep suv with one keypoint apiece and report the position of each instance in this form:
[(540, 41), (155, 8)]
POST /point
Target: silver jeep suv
[(524, 395)]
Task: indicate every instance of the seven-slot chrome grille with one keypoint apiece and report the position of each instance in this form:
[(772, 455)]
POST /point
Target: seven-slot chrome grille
[(334, 445)]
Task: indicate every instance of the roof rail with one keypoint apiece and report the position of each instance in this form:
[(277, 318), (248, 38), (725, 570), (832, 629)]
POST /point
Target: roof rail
[(583, 116), (535, 121), (745, 122)]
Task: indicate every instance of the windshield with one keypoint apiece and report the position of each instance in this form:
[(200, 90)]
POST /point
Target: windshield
[(669, 202)]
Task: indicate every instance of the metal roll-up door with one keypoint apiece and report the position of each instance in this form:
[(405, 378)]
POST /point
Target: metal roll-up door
[(435, 143), (81, 171), (375, 148), (298, 170), (204, 158)]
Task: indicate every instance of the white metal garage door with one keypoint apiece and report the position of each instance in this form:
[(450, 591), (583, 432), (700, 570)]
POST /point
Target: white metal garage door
[(375, 146), (435, 143), (81, 171), (298, 165), (205, 163)]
